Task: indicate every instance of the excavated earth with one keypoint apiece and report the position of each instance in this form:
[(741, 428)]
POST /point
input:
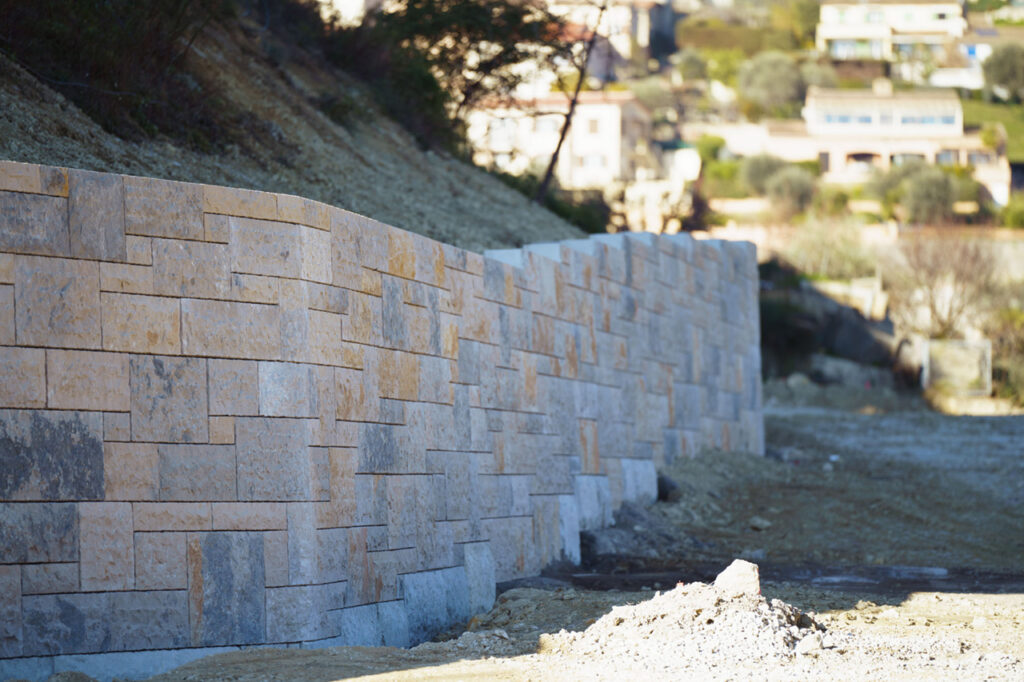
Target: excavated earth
[(889, 540)]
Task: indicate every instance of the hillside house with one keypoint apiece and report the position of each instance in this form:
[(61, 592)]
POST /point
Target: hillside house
[(889, 30)]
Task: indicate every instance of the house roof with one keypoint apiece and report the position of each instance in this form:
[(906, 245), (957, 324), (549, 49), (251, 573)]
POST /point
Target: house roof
[(862, 96)]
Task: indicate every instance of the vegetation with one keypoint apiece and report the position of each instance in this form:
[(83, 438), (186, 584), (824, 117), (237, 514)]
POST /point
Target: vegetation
[(590, 213), (925, 193), (1011, 116), (724, 64), (1006, 329), (691, 64), (709, 147), (1005, 68), (791, 190), (1012, 214), (708, 33), (772, 83), (755, 171), (830, 249)]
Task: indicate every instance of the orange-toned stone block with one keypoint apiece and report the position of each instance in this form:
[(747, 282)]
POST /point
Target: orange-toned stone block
[(163, 208), (222, 430), (590, 458), (399, 375), (57, 302), (172, 515), (250, 516), (7, 268), (363, 323), (401, 254), (20, 177), (130, 471), (292, 209), (324, 345), (7, 315), (138, 250), (217, 227), (352, 396), (141, 324), (231, 330), (22, 377), (245, 203), (87, 380)]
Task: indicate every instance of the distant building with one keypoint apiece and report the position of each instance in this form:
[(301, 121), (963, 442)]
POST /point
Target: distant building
[(889, 30), (853, 133), (608, 142)]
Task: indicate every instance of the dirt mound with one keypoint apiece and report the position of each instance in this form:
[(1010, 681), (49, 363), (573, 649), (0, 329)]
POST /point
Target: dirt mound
[(694, 623)]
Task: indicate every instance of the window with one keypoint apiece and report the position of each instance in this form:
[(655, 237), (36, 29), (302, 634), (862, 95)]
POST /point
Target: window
[(864, 119), (947, 157), (875, 17), (823, 161), (941, 16), (980, 158), (594, 126)]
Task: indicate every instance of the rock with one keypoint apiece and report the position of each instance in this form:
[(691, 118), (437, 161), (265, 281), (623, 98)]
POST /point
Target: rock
[(759, 523), (740, 578), (809, 644), (668, 490), (797, 381)]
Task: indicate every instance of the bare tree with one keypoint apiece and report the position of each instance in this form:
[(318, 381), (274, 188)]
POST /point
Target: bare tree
[(580, 62), (951, 278)]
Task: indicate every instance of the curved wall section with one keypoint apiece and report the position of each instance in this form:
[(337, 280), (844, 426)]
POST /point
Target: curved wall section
[(236, 418)]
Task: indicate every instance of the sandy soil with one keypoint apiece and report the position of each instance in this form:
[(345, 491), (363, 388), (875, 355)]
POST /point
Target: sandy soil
[(891, 539)]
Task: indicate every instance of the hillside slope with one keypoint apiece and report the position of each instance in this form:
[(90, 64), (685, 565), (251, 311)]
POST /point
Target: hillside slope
[(285, 143)]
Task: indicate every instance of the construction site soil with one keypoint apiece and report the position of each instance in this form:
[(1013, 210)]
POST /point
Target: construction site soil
[(889, 540)]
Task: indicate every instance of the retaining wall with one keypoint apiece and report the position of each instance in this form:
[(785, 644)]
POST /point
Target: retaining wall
[(235, 418)]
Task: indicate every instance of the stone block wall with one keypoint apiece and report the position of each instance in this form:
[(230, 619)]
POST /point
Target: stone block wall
[(233, 418)]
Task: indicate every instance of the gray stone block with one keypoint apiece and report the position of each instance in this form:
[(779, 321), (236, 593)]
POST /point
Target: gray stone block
[(479, 565), (394, 623), (96, 215), (595, 502), (435, 600), (394, 329), (37, 668), (287, 390), (228, 601), (38, 532), (302, 544), (639, 481), (51, 455), (378, 448), (569, 527), (49, 578), (273, 459), (32, 223), (332, 553), (293, 614), (358, 625), (197, 473), (10, 611), (168, 399)]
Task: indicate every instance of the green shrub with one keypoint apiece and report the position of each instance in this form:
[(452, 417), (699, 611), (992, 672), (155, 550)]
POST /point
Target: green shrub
[(1012, 214), (722, 179), (756, 170), (791, 190), (830, 249), (709, 147), (831, 201), (928, 196), (588, 212)]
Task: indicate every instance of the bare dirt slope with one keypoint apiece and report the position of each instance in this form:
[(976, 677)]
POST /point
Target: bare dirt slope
[(285, 143), (896, 532)]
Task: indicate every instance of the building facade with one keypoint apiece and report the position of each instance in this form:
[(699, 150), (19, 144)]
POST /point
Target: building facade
[(889, 30)]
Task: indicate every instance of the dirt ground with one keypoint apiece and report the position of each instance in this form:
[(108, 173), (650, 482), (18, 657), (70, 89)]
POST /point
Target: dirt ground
[(892, 535)]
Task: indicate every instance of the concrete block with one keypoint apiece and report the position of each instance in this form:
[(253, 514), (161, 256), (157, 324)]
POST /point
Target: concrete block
[(191, 269), (196, 473), (57, 302), (163, 208), (51, 455), (96, 215), (107, 554), (36, 532), (479, 565), (160, 561), (79, 380), (31, 223), (230, 330), (263, 247), (226, 589), (287, 389), (169, 399), (131, 471), (273, 459), (47, 578), (154, 516), (294, 614), (141, 324), (10, 611), (22, 377)]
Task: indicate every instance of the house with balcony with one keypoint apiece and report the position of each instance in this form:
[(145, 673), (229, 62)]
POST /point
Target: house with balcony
[(889, 30)]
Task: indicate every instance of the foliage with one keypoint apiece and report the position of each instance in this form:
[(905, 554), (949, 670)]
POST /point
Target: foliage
[(707, 33), (722, 179), (799, 17), (590, 214), (1005, 68), (1012, 214), (772, 81), (691, 65), (1006, 329), (985, 5), (118, 60), (1011, 116), (709, 147), (724, 64), (832, 249), (756, 170), (821, 75), (951, 278), (831, 201), (791, 190), (928, 196)]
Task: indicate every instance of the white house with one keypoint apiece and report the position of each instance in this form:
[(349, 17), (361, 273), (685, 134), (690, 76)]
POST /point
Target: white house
[(888, 30)]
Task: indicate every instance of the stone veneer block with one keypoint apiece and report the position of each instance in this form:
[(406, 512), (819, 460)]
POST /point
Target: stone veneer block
[(22, 377), (287, 390), (36, 532), (433, 599), (160, 516), (191, 269), (32, 223), (168, 399), (222, 430), (479, 563), (51, 455), (263, 247), (292, 209), (107, 547), (131, 471), (275, 558), (250, 516), (226, 589), (229, 329), (138, 250), (246, 203), (96, 215), (141, 324), (79, 380), (316, 255), (234, 387), (57, 302), (7, 336), (197, 473), (293, 614), (10, 611), (117, 426), (160, 561), (273, 459), (49, 578), (125, 278), (163, 208)]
